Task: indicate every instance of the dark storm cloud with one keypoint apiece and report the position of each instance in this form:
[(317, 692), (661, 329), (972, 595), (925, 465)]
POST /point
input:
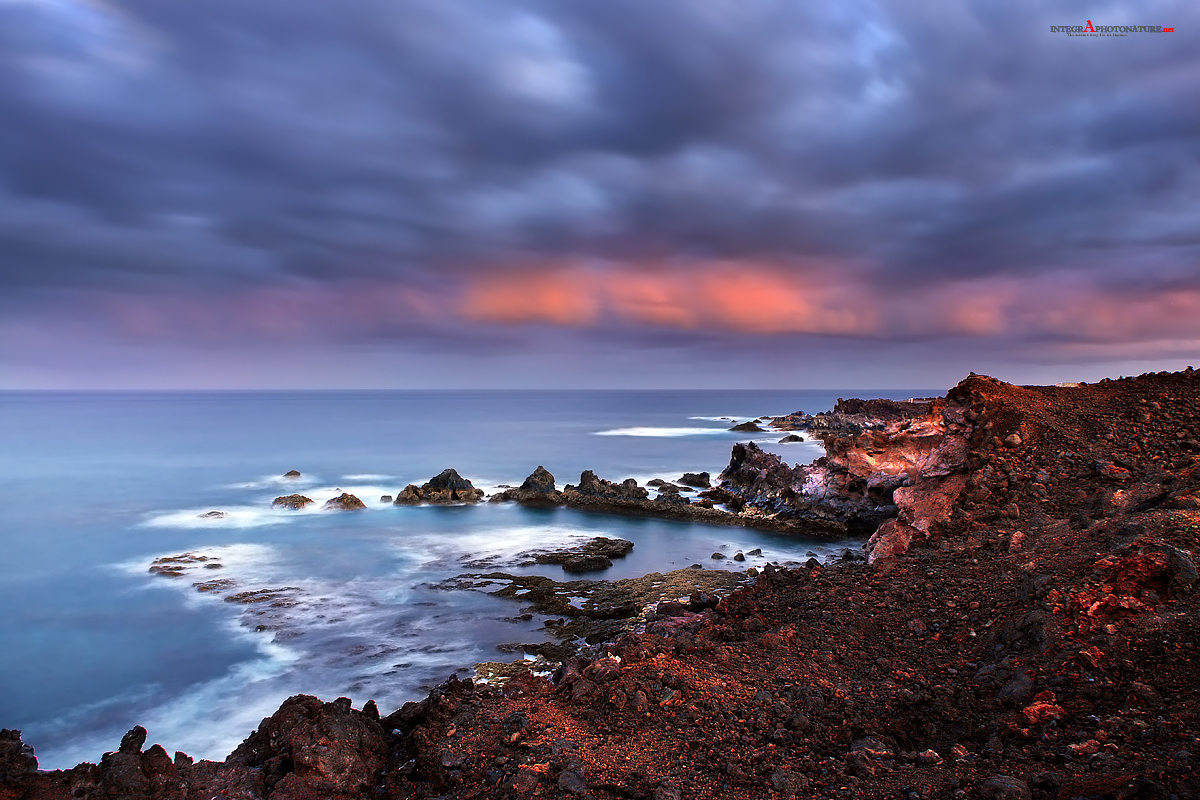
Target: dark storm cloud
[(237, 147)]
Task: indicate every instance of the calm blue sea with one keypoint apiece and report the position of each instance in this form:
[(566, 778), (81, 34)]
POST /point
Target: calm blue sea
[(99, 484)]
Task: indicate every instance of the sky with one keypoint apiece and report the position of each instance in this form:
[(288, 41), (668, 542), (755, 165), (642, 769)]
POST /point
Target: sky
[(595, 193)]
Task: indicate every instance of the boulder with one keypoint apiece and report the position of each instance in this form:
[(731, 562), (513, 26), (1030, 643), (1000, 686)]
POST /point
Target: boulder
[(292, 474), (790, 438), (292, 501), (537, 490), (748, 427), (447, 487), (700, 480), (346, 502)]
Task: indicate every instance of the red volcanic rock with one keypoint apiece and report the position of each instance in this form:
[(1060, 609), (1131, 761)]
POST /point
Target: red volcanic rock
[(313, 749), (893, 538), (929, 503)]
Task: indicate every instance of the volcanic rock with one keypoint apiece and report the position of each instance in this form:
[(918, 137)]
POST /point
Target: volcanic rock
[(447, 487), (537, 490), (748, 427), (292, 501), (700, 480), (346, 502), (292, 474)]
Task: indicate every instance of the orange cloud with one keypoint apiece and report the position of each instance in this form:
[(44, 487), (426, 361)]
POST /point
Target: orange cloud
[(560, 298)]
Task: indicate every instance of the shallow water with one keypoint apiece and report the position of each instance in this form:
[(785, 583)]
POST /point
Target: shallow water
[(101, 484)]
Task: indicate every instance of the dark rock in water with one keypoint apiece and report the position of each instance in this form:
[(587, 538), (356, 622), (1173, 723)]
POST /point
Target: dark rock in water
[(591, 486), (537, 490), (212, 515), (387, 498), (748, 427), (718, 556), (586, 563), (739, 557), (346, 502), (791, 437), (540, 481), (656, 482), (670, 495), (755, 552), (595, 554), (293, 501), (447, 487), (291, 474), (700, 480), (409, 496)]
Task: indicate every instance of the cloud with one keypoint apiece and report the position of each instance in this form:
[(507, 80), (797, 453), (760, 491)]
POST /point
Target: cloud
[(446, 173)]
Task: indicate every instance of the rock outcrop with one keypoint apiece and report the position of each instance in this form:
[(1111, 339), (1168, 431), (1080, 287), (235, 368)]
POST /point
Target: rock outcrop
[(883, 459), (445, 488), (292, 501), (538, 489), (748, 427), (594, 554), (345, 502), (292, 474)]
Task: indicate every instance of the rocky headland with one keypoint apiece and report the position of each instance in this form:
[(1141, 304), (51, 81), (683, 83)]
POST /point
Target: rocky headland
[(1024, 628)]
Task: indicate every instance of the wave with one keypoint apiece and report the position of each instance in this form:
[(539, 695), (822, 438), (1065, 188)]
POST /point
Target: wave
[(666, 432)]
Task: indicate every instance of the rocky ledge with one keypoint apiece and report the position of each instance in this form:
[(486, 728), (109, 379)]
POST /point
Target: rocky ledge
[(1035, 640)]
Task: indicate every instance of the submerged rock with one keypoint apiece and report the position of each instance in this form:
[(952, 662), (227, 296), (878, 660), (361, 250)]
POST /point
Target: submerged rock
[(293, 501), (212, 515), (447, 487)]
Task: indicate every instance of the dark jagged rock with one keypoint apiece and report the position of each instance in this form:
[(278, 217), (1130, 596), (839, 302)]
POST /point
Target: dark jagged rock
[(292, 474), (699, 480), (537, 490), (16, 758), (445, 488), (791, 438), (292, 501), (595, 554), (591, 486), (346, 502), (313, 749), (748, 427)]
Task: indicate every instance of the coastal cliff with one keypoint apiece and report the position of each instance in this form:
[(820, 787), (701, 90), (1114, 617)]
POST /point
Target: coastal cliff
[(1025, 629)]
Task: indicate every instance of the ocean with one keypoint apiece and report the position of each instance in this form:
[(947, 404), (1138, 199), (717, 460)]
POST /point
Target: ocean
[(100, 484)]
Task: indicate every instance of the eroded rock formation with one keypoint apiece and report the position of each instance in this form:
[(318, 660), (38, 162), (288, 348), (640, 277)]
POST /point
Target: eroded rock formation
[(447, 487)]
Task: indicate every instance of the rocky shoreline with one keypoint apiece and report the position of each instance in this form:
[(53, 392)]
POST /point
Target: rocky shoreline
[(1024, 627)]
